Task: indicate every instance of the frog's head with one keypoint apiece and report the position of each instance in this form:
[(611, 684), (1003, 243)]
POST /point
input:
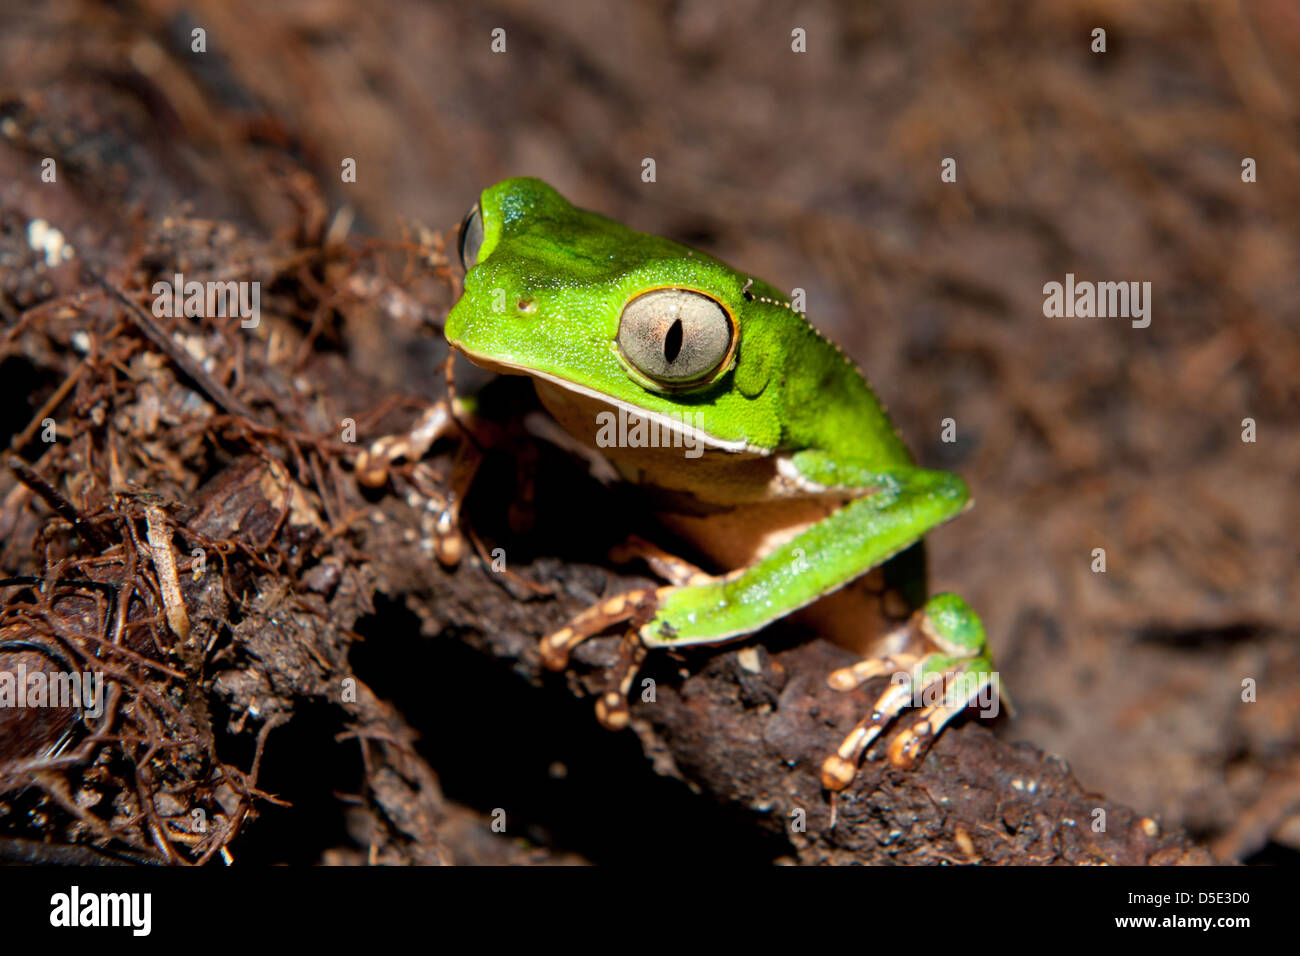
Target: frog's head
[(590, 305)]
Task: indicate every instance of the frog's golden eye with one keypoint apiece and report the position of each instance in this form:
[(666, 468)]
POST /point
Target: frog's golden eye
[(675, 336), (471, 237)]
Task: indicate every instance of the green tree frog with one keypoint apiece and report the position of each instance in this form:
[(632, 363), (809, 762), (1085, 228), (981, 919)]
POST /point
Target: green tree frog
[(761, 443)]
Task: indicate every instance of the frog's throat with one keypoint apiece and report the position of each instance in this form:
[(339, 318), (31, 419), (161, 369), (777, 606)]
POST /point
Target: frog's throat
[(664, 421)]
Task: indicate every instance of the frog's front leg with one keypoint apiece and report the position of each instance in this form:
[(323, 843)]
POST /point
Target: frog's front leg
[(896, 509), (947, 662), (556, 647), (636, 606)]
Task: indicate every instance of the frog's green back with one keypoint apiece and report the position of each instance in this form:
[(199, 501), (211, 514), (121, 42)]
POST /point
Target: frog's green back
[(825, 401), (552, 281)]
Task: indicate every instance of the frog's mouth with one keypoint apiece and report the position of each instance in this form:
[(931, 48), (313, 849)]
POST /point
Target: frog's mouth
[(662, 420)]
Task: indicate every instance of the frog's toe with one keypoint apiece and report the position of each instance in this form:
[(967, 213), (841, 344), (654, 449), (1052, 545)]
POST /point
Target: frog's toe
[(555, 649), (448, 547), (854, 676), (612, 710), (611, 706), (837, 773), (961, 690), (673, 569), (912, 742), (840, 767)]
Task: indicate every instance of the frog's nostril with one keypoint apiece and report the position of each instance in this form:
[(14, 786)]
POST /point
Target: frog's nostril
[(673, 342)]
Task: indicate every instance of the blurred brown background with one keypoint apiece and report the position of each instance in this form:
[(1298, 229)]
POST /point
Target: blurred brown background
[(821, 171)]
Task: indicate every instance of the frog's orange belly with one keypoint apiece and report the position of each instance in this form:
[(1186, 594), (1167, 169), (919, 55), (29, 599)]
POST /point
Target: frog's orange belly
[(734, 508)]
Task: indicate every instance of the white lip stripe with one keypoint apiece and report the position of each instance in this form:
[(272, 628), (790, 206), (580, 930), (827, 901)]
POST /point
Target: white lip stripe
[(664, 421)]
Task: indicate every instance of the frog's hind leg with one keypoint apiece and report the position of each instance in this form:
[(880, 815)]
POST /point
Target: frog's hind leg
[(954, 667)]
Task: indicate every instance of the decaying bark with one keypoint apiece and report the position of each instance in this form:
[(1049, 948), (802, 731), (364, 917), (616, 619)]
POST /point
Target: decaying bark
[(752, 726)]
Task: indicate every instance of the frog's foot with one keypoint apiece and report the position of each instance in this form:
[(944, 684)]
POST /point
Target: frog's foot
[(556, 647), (444, 505), (638, 607), (374, 463), (951, 670)]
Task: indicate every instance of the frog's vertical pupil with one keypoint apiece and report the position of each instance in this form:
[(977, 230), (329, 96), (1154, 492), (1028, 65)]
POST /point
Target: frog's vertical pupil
[(675, 337), (673, 342)]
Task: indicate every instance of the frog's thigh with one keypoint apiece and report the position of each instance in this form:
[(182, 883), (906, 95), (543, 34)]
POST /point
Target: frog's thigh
[(825, 557)]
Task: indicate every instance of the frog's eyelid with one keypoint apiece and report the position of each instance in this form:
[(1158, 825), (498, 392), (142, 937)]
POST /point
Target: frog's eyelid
[(469, 239)]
